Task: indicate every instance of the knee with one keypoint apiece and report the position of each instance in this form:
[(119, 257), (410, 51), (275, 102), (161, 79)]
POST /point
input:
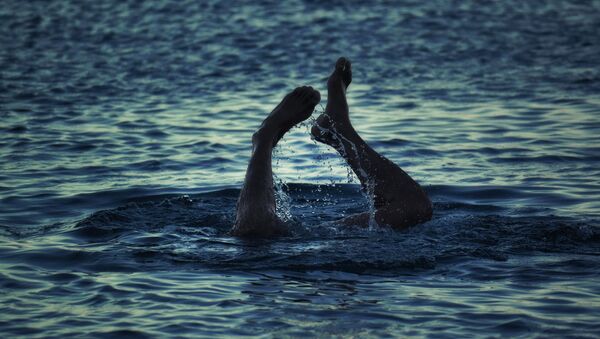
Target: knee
[(406, 215)]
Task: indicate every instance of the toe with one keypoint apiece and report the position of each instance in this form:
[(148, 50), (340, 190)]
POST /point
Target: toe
[(297, 91), (342, 63), (306, 92), (314, 97), (311, 95), (343, 68)]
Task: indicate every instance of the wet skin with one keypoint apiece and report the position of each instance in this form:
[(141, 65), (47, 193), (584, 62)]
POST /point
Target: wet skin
[(399, 201)]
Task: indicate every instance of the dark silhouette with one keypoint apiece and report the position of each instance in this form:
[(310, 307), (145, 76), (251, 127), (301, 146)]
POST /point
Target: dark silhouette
[(399, 201)]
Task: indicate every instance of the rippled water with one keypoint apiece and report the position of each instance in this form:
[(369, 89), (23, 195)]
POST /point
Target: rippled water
[(125, 138)]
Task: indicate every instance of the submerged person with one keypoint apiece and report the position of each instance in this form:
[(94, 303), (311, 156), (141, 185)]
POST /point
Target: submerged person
[(399, 201)]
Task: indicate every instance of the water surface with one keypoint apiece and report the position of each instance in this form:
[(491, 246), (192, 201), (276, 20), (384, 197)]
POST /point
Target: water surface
[(126, 132)]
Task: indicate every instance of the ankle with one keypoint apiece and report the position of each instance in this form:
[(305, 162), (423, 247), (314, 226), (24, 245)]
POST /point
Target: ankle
[(343, 126), (343, 129), (263, 137)]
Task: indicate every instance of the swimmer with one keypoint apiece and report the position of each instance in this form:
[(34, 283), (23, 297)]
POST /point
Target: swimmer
[(399, 201)]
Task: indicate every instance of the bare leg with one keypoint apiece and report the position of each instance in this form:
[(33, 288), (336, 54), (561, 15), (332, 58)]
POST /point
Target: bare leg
[(256, 215), (399, 201)]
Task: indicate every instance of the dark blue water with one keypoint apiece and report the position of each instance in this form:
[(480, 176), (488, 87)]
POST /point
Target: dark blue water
[(125, 134)]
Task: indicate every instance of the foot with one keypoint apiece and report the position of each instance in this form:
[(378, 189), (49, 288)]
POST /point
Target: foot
[(296, 107), (342, 72), (336, 118)]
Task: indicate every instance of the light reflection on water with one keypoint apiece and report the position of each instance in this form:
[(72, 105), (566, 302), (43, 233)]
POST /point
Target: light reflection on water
[(126, 106)]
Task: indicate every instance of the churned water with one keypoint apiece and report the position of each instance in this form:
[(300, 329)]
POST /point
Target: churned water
[(125, 135)]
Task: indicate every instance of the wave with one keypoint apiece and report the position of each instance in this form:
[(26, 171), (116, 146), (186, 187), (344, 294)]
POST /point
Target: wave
[(158, 232)]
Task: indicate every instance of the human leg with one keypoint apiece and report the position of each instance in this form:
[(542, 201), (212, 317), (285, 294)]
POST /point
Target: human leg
[(399, 201), (255, 215)]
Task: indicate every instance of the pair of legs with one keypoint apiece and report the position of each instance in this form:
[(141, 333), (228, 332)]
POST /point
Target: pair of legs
[(398, 200)]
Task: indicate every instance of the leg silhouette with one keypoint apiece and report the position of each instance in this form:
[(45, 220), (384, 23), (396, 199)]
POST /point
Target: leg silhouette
[(399, 201), (256, 215)]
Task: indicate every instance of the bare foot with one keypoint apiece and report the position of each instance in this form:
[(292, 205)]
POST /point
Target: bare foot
[(295, 107), (336, 119)]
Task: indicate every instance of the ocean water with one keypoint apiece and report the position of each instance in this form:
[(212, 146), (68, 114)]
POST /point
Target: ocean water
[(125, 134)]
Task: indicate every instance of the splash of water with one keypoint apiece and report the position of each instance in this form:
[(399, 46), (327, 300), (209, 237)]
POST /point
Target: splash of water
[(368, 190), (282, 200)]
